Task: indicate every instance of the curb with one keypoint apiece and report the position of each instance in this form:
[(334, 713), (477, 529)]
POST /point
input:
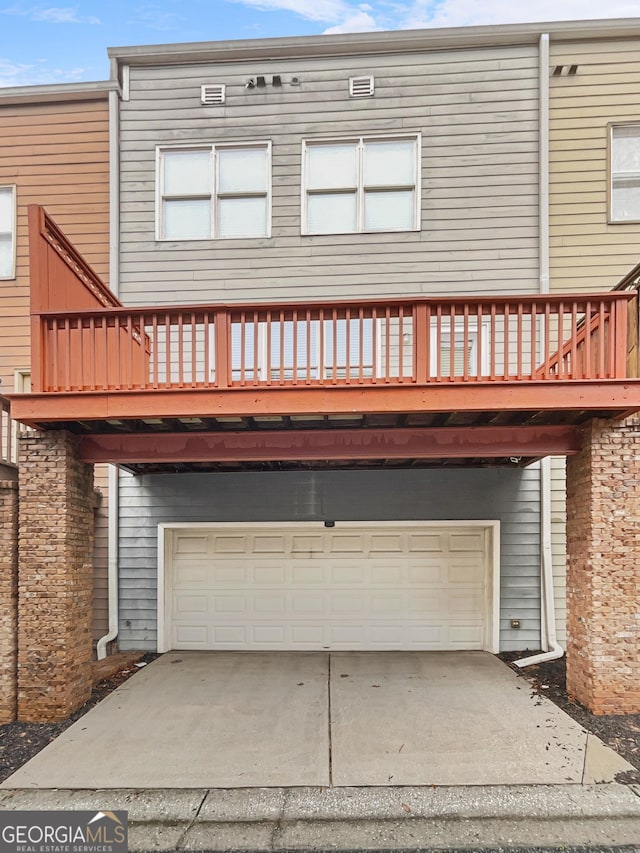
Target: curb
[(341, 819)]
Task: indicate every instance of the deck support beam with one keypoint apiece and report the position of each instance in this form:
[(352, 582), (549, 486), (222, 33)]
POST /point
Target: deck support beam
[(330, 444)]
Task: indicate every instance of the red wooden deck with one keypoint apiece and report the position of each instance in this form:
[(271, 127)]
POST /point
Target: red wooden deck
[(490, 362)]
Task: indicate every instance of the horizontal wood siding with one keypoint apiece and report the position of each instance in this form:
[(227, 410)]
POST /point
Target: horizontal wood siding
[(586, 253), (512, 496), (477, 110), (57, 155)]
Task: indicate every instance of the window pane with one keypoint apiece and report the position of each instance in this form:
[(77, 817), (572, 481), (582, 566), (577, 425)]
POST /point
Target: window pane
[(331, 214), (242, 217), (6, 255), (625, 155), (390, 163), (330, 166), (384, 210), (187, 220), (300, 360), (6, 210), (625, 199), (187, 172), (335, 343), (242, 170)]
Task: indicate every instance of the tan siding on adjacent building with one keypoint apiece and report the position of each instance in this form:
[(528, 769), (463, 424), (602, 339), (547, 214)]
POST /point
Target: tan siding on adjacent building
[(586, 253), (477, 111), (57, 155)]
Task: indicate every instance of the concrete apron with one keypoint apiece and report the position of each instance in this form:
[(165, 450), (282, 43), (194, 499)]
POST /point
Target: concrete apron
[(249, 720)]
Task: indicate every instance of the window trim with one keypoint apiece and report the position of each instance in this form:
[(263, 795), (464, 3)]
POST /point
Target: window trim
[(360, 190), (13, 233), (610, 129), (214, 196)]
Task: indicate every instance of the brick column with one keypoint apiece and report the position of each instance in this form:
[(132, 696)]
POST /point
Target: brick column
[(603, 568), (55, 578), (8, 599)]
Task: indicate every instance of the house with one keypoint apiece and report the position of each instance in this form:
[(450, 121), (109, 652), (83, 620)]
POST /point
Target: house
[(331, 367), (54, 151)]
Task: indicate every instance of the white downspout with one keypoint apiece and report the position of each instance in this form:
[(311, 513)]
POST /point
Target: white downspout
[(114, 260), (548, 602), (547, 598)]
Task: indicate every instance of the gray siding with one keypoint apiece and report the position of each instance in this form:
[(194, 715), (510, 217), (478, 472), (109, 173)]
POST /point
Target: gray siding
[(511, 496), (477, 110)]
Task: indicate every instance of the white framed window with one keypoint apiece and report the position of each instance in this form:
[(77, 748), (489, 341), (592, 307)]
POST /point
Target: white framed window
[(214, 191), (454, 354), (361, 184), (7, 232), (625, 173)]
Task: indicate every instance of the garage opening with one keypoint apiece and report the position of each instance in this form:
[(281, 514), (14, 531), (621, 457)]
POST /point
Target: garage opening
[(304, 586)]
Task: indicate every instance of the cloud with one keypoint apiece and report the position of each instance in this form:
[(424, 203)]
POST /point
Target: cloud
[(52, 14), (344, 16), (22, 74), (359, 22), (154, 18), (459, 13), (341, 15)]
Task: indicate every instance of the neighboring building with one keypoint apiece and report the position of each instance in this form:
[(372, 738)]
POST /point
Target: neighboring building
[(339, 375), (54, 151), (594, 189)]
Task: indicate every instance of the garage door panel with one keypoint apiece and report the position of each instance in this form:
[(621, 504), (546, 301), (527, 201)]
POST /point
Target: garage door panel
[(347, 543), (307, 545), (307, 603), (384, 543), (427, 573), (191, 604), (190, 544), (269, 545), (465, 541), (310, 589), (273, 574), (468, 572), (229, 544), (426, 542)]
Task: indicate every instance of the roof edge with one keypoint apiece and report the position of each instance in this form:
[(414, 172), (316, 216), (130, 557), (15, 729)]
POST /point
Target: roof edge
[(57, 92), (372, 42)]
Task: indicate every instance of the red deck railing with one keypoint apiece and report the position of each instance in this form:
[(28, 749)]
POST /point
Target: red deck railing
[(397, 342), (83, 339)]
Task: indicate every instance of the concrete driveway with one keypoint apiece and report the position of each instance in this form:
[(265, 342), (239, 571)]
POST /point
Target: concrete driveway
[(235, 719)]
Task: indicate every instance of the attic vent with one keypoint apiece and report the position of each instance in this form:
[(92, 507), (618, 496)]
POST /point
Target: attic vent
[(361, 87), (213, 94)]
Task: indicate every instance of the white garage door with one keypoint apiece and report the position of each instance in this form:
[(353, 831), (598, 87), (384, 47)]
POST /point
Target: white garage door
[(353, 586)]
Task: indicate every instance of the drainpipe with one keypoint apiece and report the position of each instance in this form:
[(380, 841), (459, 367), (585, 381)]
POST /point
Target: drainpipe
[(114, 259), (114, 502), (547, 599), (548, 602)]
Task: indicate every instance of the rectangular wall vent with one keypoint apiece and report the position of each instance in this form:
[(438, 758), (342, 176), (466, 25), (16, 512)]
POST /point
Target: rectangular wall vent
[(213, 94), (361, 87)]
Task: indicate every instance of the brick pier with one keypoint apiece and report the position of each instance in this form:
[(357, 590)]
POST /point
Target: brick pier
[(55, 577), (603, 570)]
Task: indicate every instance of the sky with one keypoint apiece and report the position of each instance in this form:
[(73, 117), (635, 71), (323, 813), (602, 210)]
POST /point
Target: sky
[(43, 43)]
